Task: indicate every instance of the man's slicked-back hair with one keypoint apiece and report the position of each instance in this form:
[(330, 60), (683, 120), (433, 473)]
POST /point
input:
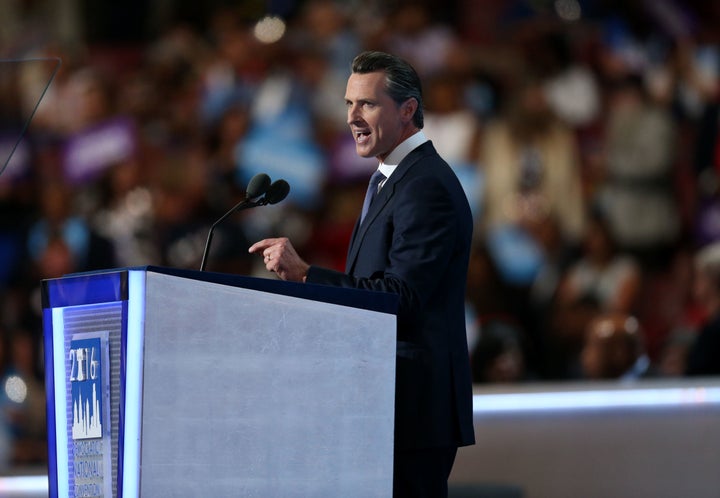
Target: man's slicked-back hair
[(401, 79)]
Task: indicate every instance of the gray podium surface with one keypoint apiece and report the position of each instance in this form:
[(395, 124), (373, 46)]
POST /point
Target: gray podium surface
[(247, 393)]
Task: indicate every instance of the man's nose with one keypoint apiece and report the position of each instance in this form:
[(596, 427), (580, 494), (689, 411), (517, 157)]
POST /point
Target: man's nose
[(352, 115)]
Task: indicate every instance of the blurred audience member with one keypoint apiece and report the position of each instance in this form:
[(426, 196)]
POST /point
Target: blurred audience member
[(125, 216), (456, 129), (498, 355), (614, 349), (570, 87), (178, 190), (530, 161), (557, 256), (489, 298), (637, 193), (91, 96), (704, 355), (6, 443), (415, 34), (666, 307), (59, 241), (602, 280), (324, 32), (672, 359), (334, 224), (697, 65), (448, 121), (326, 23), (706, 214), (23, 400), (58, 221)]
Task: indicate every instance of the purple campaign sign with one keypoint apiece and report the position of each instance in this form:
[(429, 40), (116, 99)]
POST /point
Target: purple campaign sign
[(91, 151)]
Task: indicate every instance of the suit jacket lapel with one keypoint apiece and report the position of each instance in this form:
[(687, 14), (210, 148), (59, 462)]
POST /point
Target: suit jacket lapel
[(361, 228), (386, 192)]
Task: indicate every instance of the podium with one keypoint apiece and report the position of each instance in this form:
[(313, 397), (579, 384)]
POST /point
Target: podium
[(164, 382)]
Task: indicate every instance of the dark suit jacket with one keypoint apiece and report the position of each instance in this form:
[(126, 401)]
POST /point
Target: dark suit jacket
[(415, 242), (704, 355)]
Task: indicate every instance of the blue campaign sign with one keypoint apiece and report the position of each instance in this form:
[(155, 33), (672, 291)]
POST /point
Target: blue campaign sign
[(85, 362), (282, 148)]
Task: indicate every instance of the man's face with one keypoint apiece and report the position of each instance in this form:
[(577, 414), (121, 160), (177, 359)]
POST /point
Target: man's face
[(377, 123)]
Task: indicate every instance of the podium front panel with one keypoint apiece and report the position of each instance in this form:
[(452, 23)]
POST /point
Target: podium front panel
[(249, 393), (177, 383)]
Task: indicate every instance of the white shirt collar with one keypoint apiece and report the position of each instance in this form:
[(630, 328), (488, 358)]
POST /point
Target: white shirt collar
[(391, 162)]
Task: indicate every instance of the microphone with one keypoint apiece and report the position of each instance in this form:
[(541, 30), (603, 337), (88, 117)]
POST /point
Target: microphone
[(277, 191), (260, 191), (257, 186)]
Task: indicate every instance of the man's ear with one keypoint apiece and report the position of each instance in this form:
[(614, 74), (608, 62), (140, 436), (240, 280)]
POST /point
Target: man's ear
[(408, 108)]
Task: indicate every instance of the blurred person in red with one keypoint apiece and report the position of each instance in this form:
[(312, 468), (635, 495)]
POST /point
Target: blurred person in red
[(668, 311), (704, 355)]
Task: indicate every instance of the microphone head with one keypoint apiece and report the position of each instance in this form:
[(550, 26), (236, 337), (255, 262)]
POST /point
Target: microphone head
[(257, 186), (277, 191)]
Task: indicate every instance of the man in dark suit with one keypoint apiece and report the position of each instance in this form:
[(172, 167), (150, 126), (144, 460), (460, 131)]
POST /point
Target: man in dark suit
[(414, 241)]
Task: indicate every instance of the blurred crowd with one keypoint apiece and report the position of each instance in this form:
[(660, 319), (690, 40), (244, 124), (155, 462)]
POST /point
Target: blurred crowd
[(586, 135)]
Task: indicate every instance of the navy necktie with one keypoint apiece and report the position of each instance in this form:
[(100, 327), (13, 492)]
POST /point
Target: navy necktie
[(373, 188)]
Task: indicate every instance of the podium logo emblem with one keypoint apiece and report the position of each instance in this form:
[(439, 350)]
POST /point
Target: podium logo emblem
[(86, 387)]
